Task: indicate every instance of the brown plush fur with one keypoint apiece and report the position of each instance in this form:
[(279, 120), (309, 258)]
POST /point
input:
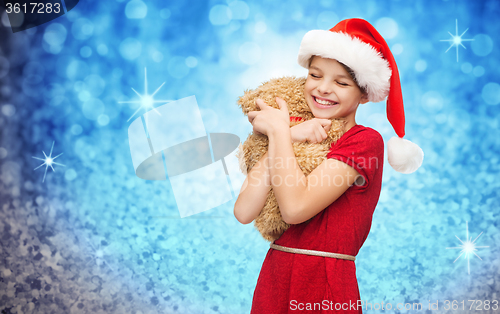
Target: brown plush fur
[(309, 155)]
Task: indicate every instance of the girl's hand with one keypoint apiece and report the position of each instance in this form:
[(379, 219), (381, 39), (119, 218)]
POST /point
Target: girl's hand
[(313, 131), (269, 119)]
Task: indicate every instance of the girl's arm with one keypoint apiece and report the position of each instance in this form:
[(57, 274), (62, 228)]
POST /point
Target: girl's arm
[(299, 197), (251, 200), (254, 191)]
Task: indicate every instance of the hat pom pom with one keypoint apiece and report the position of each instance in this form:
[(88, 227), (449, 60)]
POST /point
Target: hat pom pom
[(403, 155)]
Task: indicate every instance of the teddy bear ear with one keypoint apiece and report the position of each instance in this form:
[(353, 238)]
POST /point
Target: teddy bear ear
[(404, 156)]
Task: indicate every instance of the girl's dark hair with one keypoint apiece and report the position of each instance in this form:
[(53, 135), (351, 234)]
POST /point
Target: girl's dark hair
[(353, 77)]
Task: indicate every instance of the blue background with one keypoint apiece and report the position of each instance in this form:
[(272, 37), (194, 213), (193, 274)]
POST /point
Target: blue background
[(94, 238)]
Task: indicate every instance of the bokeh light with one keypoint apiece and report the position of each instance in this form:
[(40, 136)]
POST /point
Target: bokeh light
[(482, 45), (136, 9), (55, 34), (466, 67), (478, 71), (130, 48), (82, 29), (420, 65), (220, 15), (387, 27), (491, 93)]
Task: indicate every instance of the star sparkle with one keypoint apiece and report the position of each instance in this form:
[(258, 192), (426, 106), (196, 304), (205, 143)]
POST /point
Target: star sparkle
[(98, 255), (48, 161), (468, 247), (456, 40), (146, 101)]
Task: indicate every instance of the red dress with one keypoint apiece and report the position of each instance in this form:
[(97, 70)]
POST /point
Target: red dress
[(289, 282)]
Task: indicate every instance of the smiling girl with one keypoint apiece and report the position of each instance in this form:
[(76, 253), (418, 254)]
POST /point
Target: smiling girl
[(311, 266)]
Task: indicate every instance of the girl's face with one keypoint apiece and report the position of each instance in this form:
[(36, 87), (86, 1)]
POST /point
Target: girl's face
[(330, 91)]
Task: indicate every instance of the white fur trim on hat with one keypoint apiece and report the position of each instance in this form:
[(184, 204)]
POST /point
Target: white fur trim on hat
[(371, 69)]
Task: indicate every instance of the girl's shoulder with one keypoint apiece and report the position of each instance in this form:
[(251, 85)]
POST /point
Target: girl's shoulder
[(360, 134), (363, 149)]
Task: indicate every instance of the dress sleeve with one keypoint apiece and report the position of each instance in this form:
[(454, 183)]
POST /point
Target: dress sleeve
[(362, 150)]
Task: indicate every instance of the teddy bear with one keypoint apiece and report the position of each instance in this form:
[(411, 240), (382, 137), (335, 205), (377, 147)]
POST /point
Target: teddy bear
[(308, 155)]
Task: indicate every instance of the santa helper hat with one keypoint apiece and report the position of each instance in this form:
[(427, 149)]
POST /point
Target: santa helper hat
[(357, 44)]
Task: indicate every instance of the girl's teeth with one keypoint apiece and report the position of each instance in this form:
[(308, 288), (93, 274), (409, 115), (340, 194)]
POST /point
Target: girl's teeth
[(325, 102)]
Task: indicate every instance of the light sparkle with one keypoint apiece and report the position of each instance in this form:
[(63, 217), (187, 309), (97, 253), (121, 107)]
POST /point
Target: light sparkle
[(98, 255), (146, 100), (48, 161), (468, 247), (456, 40)]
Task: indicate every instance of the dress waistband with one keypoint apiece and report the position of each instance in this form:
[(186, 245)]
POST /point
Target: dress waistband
[(312, 252)]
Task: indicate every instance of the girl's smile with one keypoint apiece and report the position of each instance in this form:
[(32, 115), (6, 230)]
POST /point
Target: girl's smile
[(331, 92), (323, 102)]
